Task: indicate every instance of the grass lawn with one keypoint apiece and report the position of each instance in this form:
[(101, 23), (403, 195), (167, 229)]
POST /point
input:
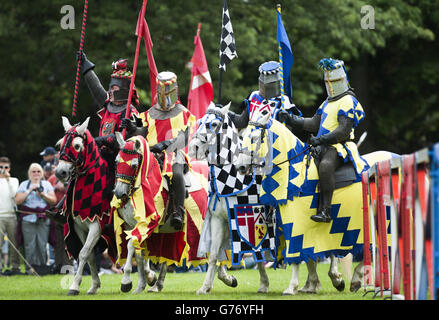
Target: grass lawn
[(178, 286)]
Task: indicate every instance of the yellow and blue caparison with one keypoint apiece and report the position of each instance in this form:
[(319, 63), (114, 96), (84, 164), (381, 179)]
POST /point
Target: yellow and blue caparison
[(292, 188)]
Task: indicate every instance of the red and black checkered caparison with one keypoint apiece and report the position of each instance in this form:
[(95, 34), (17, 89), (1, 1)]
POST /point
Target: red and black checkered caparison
[(92, 190)]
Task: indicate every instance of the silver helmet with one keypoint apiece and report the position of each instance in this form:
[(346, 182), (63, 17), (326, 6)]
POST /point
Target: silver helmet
[(269, 79), (167, 90), (336, 79)]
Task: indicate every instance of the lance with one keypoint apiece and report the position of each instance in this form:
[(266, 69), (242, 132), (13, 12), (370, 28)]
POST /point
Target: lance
[(133, 78), (78, 67)]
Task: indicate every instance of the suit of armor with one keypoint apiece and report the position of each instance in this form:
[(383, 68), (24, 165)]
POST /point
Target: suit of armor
[(333, 123), (112, 103), (167, 126)]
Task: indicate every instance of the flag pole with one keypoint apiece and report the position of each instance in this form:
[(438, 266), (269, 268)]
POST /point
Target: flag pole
[(190, 86), (133, 78), (81, 48), (282, 88), (219, 85)]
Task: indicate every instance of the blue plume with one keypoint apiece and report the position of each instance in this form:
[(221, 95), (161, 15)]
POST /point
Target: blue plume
[(328, 64)]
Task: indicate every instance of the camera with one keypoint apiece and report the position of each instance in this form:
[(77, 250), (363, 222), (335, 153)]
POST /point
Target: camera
[(40, 189)]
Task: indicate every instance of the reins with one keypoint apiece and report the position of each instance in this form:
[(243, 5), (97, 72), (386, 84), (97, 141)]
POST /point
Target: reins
[(264, 127)]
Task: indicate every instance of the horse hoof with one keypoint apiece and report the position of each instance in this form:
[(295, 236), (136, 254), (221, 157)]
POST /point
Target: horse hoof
[(151, 282), (355, 286), (234, 283), (73, 292), (126, 287), (201, 291), (263, 290), (341, 286)]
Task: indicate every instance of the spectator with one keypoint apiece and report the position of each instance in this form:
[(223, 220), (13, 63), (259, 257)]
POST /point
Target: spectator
[(61, 257), (34, 196), (8, 218), (49, 156), (47, 171)]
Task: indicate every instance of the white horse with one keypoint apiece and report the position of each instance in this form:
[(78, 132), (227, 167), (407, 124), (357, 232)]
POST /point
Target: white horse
[(258, 145), (140, 209), (217, 140), (87, 204)]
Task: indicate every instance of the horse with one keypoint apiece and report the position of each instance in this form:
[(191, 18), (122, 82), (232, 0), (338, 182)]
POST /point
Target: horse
[(87, 204), (140, 208), (291, 181), (218, 140)]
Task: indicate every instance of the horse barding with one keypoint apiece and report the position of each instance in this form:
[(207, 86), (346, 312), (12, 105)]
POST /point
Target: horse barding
[(232, 197), (141, 205), (291, 184), (87, 203)]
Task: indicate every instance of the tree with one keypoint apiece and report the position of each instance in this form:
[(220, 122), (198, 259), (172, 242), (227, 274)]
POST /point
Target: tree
[(392, 67)]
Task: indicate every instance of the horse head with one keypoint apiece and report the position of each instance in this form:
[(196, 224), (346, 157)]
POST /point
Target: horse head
[(255, 148), (216, 138), (128, 163), (73, 149)]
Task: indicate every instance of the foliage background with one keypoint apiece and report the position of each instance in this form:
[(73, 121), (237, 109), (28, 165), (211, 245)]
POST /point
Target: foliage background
[(393, 68)]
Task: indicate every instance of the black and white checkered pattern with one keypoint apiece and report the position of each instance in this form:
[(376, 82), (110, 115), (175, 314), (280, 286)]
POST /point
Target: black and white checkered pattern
[(225, 181), (227, 43), (238, 245)]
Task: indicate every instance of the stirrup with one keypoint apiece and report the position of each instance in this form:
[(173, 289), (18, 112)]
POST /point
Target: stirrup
[(177, 220), (322, 216)]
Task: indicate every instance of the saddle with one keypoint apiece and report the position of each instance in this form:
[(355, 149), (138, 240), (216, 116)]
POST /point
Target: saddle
[(344, 176)]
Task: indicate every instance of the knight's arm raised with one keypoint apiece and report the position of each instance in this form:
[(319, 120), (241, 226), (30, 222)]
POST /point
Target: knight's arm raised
[(98, 92)]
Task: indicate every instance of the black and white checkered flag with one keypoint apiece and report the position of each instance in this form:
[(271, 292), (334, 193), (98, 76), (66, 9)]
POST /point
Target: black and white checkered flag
[(227, 44)]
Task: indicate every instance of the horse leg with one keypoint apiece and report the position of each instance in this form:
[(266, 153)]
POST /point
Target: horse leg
[(294, 282), (312, 284), (336, 277), (95, 281), (264, 282), (158, 286), (151, 277), (227, 279), (357, 278), (89, 242), (217, 237), (126, 283), (141, 271)]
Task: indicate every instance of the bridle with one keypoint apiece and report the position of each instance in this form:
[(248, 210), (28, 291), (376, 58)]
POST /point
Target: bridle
[(124, 177), (218, 116), (263, 127), (77, 162)]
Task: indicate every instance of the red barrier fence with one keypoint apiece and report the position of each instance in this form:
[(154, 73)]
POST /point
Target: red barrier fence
[(397, 227)]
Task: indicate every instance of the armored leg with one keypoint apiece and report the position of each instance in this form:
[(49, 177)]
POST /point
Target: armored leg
[(179, 194), (330, 161)]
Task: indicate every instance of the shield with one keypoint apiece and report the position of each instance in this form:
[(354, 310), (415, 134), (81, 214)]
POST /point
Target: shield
[(252, 224)]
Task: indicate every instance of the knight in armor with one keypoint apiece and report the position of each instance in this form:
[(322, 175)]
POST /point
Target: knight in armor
[(167, 126), (268, 96), (333, 123), (112, 102)]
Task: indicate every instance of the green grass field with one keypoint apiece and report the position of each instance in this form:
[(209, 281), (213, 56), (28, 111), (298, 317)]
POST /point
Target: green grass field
[(178, 286)]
